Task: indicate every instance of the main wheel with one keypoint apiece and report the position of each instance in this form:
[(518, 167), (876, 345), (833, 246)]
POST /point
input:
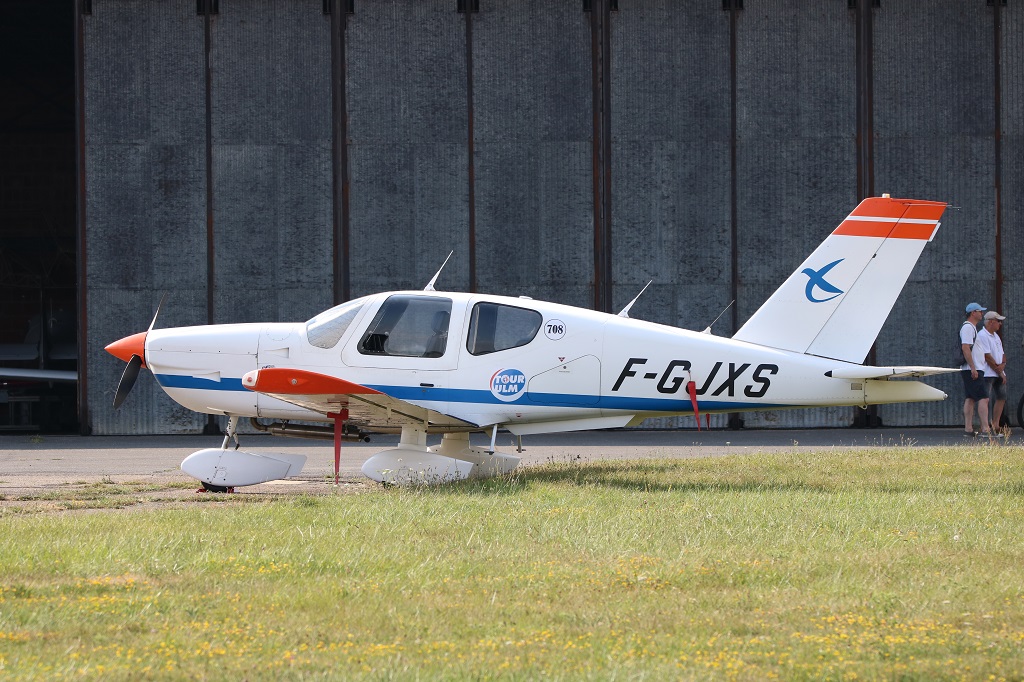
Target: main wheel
[(210, 488)]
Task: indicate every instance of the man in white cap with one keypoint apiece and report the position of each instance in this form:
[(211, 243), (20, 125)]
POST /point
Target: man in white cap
[(975, 387), (994, 358)]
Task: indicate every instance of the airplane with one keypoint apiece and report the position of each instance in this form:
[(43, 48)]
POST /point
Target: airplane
[(428, 362)]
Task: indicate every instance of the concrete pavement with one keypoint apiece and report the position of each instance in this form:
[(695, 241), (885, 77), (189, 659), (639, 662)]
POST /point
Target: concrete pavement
[(29, 462)]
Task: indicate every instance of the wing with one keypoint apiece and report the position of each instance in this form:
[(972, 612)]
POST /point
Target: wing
[(864, 372), (330, 395), (38, 374)]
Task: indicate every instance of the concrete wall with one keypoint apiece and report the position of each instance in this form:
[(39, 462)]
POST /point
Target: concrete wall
[(720, 187)]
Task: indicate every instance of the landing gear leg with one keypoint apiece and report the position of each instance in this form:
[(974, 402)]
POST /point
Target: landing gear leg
[(494, 436), (232, 432), (339, 425)]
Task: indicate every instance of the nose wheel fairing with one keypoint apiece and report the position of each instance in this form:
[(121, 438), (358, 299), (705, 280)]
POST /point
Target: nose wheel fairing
[(223, 468)]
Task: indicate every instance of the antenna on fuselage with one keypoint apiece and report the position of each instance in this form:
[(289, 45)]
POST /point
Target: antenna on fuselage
[(430, 284), (625, 311), (708, 329)]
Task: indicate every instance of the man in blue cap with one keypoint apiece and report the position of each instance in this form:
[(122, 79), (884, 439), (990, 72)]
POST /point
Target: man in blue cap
[(975, 386)]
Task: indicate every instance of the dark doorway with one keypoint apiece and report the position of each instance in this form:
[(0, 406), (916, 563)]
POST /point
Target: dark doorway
[(38, 282)]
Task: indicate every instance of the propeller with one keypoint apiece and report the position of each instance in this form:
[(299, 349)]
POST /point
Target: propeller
[(131, 349), (127, 383)]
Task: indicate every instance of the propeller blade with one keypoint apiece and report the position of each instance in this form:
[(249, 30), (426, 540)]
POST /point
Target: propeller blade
[(157, 314), (124, 387)]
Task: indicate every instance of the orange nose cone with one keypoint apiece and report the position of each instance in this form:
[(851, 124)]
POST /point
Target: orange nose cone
[(129, 346)]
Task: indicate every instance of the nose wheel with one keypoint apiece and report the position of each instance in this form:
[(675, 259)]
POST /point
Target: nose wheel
[(210, 488)]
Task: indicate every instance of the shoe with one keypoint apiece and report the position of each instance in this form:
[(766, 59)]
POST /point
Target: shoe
[(970, 434)]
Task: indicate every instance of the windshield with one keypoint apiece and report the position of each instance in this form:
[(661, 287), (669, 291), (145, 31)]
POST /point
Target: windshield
[(327, 328)]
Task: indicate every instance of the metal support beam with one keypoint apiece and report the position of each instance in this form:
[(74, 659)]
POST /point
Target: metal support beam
[(84, 427), (339, 156), (600, 46), (865, 137), (471, 150), (735, 419), (997, 48)]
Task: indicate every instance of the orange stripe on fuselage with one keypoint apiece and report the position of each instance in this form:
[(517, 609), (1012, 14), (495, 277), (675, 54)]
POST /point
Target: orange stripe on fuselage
[(284, 381)]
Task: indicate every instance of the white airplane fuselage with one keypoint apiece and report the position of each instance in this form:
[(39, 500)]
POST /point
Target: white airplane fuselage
[(580, 366)]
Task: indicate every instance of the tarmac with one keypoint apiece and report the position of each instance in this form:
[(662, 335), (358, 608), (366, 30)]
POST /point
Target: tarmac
[(37, 465)]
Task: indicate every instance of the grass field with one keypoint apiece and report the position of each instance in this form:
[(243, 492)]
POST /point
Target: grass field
[(893, 563)]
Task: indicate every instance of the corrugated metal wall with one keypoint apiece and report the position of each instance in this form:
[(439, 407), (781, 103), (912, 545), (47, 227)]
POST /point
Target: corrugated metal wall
[(271, 136), (145, 195), (406, 93), (737, 142), (1011, 54), (533, 123), (934, 123)]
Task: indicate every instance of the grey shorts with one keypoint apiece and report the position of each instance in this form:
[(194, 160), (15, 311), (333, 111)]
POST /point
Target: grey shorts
[(997, 388)]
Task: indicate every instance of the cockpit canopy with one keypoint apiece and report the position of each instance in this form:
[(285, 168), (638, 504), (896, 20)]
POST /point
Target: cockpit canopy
[(411, 325)]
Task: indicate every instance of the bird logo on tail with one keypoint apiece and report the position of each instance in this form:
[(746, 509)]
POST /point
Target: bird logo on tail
[(816, 279)]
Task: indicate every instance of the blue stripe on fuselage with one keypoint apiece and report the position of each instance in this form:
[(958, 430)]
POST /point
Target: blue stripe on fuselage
[(478, 397), (180, 381)]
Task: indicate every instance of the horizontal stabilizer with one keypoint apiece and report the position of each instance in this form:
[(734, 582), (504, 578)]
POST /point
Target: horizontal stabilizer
[(881, 392), (864, 372)]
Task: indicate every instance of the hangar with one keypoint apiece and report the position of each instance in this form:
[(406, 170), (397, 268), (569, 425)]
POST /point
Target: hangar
[(260, 160)]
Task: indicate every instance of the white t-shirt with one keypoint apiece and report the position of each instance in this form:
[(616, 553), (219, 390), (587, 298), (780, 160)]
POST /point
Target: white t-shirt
[(968, 336), (993, 345)]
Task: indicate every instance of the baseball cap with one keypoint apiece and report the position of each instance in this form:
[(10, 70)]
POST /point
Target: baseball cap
[(971, 307), (993, 315)]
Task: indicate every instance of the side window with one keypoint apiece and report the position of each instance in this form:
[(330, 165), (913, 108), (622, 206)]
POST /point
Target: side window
[(327, 328), (494, 327), (409, 326)]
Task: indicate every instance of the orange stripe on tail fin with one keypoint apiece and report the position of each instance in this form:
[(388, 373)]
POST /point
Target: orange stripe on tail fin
[(893, 219)]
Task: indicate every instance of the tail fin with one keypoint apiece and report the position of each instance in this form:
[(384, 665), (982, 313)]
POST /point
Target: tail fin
[(838, 299)]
